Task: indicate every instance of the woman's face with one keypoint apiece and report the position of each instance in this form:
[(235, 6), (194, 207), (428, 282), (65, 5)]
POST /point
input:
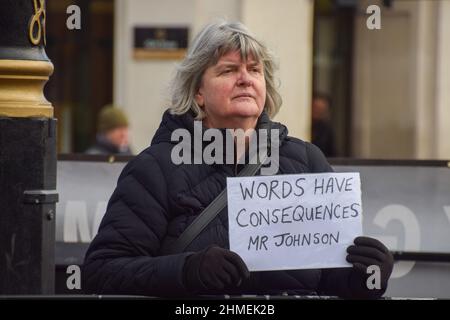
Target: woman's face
[(232, 92)]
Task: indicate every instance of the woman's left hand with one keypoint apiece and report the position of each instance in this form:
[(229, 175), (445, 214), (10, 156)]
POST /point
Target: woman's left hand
[(370, 252)]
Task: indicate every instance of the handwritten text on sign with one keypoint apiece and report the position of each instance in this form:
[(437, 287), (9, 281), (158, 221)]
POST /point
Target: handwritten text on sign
[(299, 221)]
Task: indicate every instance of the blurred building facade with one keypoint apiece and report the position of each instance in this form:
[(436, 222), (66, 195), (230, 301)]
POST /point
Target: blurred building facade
[(390, 87), (402, 82)]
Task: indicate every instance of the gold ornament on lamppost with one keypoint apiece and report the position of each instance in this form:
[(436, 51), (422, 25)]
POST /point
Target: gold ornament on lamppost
[(39, 11), (22, 81)]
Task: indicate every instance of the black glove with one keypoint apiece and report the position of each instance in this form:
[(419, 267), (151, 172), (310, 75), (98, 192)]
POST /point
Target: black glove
[(368, 251), (214, 268)]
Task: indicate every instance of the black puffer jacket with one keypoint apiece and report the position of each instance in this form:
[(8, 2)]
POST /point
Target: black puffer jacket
[(155, 200)]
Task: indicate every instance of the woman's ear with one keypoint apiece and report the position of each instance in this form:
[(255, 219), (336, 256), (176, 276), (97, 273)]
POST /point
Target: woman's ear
[(199, 99)]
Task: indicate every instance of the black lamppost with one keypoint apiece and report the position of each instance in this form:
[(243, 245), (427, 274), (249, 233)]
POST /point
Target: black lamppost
[(27, 152)]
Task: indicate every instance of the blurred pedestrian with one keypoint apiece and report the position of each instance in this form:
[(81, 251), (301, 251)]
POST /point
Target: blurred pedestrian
[(322, 127), (112, 133)]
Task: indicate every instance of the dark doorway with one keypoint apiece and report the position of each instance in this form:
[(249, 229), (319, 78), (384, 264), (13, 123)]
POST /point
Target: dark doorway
[(83, 78), (332, 66)]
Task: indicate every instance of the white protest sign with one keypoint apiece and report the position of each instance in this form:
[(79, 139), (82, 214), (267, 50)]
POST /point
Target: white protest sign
[(300, 221)]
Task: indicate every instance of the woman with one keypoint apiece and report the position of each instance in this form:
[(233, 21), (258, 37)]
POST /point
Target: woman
[(227, 81)]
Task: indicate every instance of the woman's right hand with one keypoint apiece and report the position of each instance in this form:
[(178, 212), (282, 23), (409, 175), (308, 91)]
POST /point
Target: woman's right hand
[(214, 268)]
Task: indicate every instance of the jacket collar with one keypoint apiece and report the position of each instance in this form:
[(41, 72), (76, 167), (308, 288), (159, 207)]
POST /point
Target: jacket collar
[(171, 122)]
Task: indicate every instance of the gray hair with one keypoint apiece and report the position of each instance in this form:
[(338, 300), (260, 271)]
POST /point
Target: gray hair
[(214, 41)]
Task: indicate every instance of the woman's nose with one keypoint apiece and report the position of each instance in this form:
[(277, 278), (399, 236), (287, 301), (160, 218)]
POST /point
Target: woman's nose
[(244, 78)]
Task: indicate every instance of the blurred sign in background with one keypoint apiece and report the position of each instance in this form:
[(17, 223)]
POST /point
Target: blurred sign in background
[(160, 42)]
